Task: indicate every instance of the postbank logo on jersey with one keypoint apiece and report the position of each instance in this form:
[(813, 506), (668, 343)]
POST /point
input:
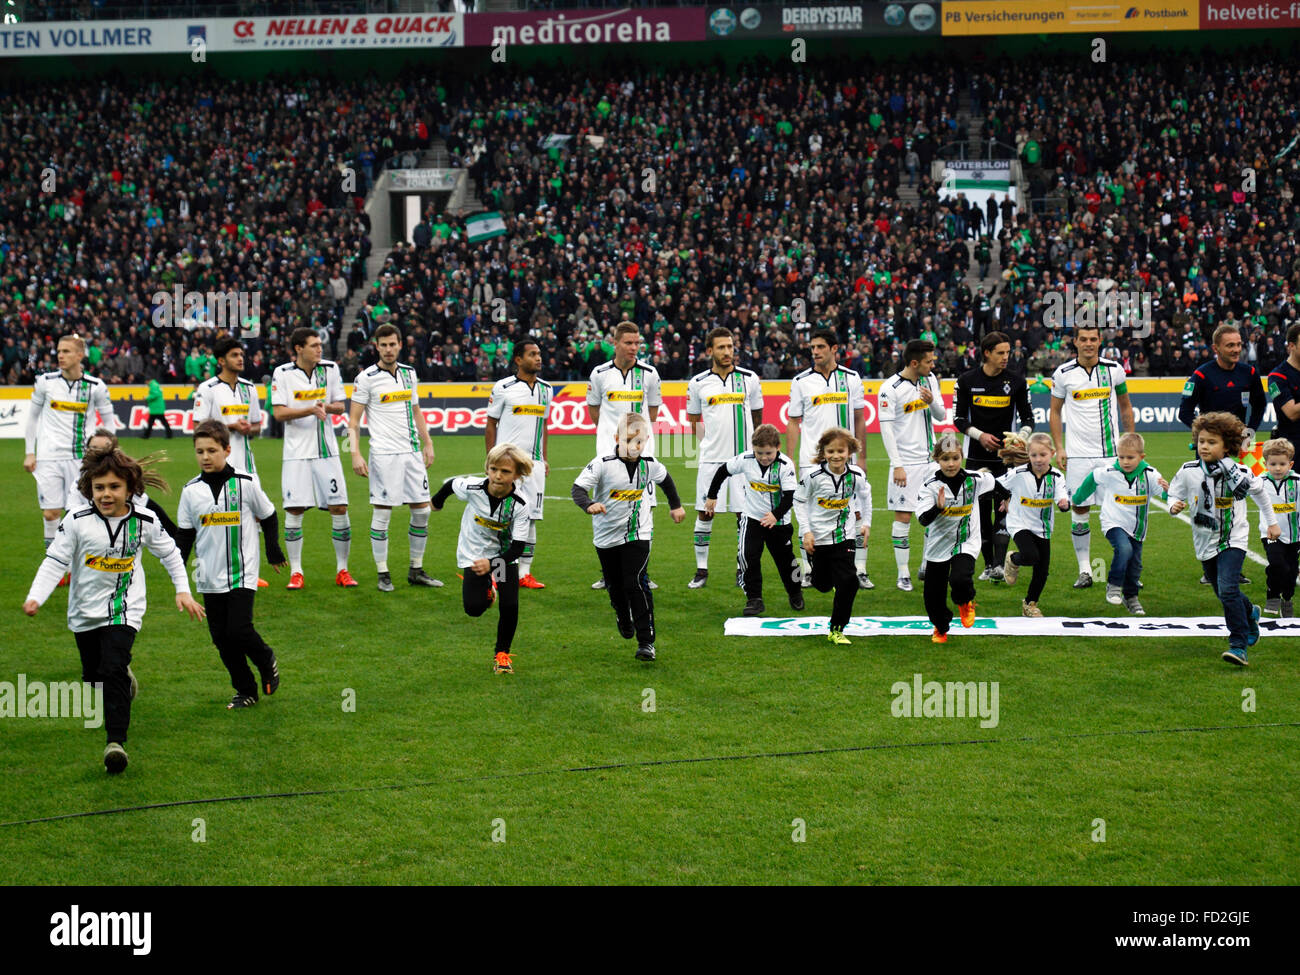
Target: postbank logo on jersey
[(488, 523), (1222, 503), (1101, 392), (220, 518), (308, 394), (1131, 499), (64, 406), (529, 409), (916, 404), (102, 563), (834, 504), (991, 402), (396, 396), (1036, 502), (1286, 508), (626, 494), (235, 409), (625, 395), (957, 511), (827, 399), (762, 487), (727, 399)]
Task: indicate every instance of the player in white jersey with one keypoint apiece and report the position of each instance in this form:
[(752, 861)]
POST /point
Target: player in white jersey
[(949, 512), (218, 517), (1213, 489), (493, 531), (822, 398), (1091, 396), (617, 491), (58, 426), (621, 386), (388, 395), (910, 404), (1036, 490), (1282, 485), (519, 413), (101, 546), (723, 406), (830, 492), (234, 401), (305, 393), (766, 504)]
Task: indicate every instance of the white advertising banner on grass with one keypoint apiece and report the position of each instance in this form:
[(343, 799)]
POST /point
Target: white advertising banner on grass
[(1055, 626)]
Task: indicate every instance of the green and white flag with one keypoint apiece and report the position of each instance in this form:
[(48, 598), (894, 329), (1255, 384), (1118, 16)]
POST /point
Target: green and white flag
[(484, 226)]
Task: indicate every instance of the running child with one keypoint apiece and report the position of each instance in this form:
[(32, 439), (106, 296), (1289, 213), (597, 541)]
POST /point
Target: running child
[(1282, 485), (952, 535), (618, 490), (824, 504), (100, 546), (493, 533), (1037, 489), (1214, 488), (218, 517), (765, 509), (105, 441)]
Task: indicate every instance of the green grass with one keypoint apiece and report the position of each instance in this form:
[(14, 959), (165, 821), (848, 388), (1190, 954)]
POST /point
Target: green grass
[(461, 748)]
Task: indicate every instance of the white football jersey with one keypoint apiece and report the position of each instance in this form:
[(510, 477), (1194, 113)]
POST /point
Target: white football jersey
[(1126, 498), (60, 421), (1033, 499), (488, 525), (957, 529), (616, 393), (308, 438), (822, 402), (725, 404), (1282, 495), (226, 530), (103, 556), (390, 399), (1091, 408), (910, 420), (764, 486), (625, 488), (1208, 496), (824, 504), (215, 400), (521, 412)]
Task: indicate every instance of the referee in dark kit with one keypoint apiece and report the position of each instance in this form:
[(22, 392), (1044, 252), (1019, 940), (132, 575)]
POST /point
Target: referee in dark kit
[(984, 407)]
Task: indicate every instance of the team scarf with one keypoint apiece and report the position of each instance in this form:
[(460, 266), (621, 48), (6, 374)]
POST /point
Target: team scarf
[(1234, 477)]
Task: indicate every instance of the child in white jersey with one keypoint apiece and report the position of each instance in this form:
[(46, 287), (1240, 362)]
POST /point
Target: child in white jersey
[(1037, 489), (493, 533), (100, 546), (1282, 485), (1213, 489)]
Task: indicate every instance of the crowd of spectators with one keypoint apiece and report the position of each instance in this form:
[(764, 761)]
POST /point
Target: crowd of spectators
[(765, 198)]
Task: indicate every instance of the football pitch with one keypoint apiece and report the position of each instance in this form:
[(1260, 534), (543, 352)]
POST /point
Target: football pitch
[(392, 755)]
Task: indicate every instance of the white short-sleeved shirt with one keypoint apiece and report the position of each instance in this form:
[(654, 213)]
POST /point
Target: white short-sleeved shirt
[(216, 400), (626, 495), (225, 530), (617, 392), (764, 486), (1091, 408), (724, 403), (390, 399), (910, 418), (821, 402), (824, 503), (308, 438), (489, 524), (64, 410), (522, 412), (1033, 499), (957, 529)]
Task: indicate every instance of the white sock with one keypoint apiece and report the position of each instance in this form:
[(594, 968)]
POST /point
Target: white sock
[(901, 534), (703, 533), (1081, 536), (342, 534), (293, 540), (379, 519), (530, 546), (51, 528), (418, 535), (860, 555)]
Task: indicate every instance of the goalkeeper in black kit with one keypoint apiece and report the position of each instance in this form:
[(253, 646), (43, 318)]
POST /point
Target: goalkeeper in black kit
[(985, 405)]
